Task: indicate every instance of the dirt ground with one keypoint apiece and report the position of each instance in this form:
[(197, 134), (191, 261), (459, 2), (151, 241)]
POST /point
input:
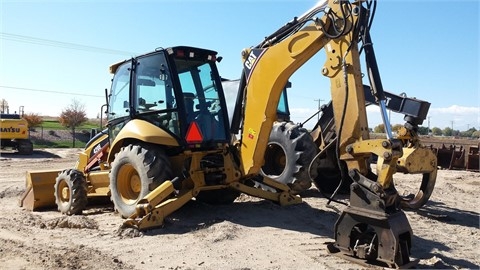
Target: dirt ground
[(248, 234)]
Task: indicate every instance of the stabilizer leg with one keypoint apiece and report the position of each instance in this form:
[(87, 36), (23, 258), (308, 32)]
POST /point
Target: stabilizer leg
[(283, 196), (158, 204)]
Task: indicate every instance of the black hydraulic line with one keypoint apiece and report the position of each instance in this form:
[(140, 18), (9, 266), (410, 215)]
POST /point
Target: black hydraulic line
[(279, 34), (372, 67), (340, 163), (372, 12), (338, 33)]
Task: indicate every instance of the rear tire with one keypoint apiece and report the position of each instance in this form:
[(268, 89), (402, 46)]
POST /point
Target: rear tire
[(288, 155), (70, 192), (328, 175), (135, 172)]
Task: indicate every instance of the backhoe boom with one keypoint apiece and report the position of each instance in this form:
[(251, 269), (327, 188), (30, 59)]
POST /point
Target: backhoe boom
[(373, 227)]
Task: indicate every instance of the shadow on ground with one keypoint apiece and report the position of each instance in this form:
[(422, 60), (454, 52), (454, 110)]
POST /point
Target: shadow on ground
[(35, 154), (443, 213)]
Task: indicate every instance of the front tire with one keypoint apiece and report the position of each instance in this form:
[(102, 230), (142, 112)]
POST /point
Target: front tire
[(135, 172), (70, 192)]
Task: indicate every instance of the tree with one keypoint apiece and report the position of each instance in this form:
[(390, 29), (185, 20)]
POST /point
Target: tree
[(379, 129), (468, 133), (423, 130), (437, 131), (73, 116), (447, 131), (33, 120)]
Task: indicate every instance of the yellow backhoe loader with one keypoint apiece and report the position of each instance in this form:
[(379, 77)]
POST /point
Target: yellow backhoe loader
[(169, 139)]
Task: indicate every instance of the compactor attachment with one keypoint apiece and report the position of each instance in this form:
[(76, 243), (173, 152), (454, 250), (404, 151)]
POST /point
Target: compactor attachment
[(368, 232)]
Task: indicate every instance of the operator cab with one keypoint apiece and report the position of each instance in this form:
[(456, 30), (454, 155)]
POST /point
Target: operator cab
[(177, 89)]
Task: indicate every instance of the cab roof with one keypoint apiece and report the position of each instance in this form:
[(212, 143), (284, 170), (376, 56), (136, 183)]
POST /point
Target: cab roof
[(170, 50)]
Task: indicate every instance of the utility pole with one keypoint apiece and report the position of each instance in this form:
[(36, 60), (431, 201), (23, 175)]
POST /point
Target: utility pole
[(319, 106), (428, 132)]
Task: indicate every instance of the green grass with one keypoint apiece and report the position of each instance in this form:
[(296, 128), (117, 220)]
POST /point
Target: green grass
[(54, 124), (51, 124)]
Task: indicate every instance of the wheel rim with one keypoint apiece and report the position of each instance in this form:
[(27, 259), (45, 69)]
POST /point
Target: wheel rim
[(275, 160), (129, 184), (63, 192)]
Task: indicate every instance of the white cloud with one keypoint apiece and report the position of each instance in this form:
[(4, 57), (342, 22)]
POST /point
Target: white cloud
[(460, 117), (456, 110)]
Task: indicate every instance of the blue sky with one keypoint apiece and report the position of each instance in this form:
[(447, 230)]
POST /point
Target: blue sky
[(52, 52)]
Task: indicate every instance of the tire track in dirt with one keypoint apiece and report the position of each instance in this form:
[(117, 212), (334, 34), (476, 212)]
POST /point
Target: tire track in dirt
[(248, 234)]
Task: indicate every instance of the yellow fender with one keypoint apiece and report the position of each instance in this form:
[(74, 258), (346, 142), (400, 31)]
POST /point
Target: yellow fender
[(142, 131)]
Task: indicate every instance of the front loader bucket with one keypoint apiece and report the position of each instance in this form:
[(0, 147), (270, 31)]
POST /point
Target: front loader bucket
[(39, 192)]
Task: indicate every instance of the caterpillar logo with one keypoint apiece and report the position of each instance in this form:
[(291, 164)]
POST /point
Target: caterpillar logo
[(387, 100), (250, 60)]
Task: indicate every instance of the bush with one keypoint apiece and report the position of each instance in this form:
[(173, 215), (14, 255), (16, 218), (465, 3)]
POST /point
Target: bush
[(33, 120)]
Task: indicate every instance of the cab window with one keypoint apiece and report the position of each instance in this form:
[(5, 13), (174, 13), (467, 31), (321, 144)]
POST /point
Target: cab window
[(153, 96), (119, 99), (201, 99)]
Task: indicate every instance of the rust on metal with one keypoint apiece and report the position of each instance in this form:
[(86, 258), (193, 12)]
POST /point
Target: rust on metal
[(453, 157)]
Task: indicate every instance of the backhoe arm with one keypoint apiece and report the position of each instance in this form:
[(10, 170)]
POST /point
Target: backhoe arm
[(268, 66), (372, 226)]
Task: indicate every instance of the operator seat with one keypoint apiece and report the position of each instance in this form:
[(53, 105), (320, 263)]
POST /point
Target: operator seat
[(206, 121)]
